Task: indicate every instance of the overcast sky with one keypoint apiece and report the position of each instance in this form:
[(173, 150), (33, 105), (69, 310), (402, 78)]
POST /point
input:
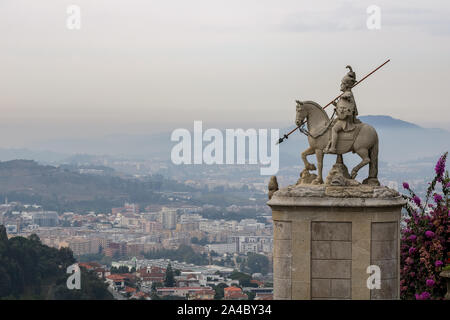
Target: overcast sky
[(137, 66)]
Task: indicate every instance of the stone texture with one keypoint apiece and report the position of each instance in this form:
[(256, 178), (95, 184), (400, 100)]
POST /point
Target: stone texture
[(359, 292), (389, 290), (327, 243), (341, 250), (331, 288), (273, 186), (388, 268), (384, 253), (331, 269), (322, 191), (301, 290), (341, 288), (331, 231), (385, 231), (339, 176), (331, 250), (282, 267), (282, 248), (301, 248), (282, 289), (282, 230), (320, 288), (383, 250), (361, 228), (321, 250)]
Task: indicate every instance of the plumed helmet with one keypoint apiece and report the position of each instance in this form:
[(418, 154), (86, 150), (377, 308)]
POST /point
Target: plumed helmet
[(350, 78)]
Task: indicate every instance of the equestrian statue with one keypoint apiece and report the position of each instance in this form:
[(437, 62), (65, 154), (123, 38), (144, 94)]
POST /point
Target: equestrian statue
[(338, 135)]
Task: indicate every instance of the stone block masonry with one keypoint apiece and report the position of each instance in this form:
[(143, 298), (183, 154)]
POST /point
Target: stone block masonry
[(323, 244), (331, 260)]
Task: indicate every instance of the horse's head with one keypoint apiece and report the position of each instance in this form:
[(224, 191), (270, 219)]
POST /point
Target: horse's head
[(302, 112)]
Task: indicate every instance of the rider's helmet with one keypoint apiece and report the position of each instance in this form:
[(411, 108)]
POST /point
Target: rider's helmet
[(350, 78)]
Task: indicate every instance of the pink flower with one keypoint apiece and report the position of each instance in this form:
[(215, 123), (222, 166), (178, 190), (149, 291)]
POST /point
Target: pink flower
[(430, 282), (437, 198), (409, 260), (412, 250), (412, 237), (406, 185), (440, 167), (429, 234), (438, 263), (416, 200), (424, 296)]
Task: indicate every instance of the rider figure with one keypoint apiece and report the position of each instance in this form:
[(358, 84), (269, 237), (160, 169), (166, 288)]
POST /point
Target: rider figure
[(346, 110)]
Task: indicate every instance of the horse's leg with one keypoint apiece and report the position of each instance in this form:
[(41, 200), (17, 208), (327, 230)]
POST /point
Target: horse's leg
[(319, 155), (308, 152), (373, 166), (364, 154)]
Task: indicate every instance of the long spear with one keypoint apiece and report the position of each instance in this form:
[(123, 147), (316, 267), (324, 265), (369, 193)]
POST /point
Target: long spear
[(285, 136)]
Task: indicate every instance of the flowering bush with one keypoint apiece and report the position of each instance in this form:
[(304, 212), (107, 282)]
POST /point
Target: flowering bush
[(425, 239)]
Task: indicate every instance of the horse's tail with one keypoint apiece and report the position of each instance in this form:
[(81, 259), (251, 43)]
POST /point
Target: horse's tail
[(373, 166)]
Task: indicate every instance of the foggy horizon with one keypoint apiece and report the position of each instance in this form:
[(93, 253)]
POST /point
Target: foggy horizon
[(138, 67)]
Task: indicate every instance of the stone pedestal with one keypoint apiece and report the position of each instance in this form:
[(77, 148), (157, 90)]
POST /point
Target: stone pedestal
[(325, 238)]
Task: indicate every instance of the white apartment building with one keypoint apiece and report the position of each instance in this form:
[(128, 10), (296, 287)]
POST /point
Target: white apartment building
[(222, 248)]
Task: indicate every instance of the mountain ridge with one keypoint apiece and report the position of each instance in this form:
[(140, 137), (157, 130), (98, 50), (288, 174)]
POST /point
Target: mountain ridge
[(395, 134)]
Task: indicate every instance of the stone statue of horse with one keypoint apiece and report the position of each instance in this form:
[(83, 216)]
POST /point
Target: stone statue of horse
[(363, 140)]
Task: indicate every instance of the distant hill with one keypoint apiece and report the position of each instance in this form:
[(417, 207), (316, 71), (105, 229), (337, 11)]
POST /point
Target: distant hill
[(61, 189), (402, 141), (399, 141), (388, 122), (45, 156)]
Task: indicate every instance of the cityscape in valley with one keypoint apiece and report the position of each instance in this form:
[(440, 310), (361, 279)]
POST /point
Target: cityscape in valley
[(154, 230), (216, 250), (141, 243), (222, 151)]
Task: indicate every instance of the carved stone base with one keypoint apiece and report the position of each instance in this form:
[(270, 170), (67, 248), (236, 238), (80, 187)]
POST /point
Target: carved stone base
[(306, 177), (371, 181), (326, 236), (301, 193), (339, 176)]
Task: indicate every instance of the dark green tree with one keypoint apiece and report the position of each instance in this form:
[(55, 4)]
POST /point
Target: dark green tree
[(121, 269), (251, 295), (243, 278), (169, 279), (219, 291), (31, 270)]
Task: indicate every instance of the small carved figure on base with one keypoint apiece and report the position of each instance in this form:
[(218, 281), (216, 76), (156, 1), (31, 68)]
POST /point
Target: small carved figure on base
[(273, 186), (306, 177)]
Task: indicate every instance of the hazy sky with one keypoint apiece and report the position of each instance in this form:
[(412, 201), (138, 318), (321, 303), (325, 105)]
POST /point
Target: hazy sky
[(138, 66)]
